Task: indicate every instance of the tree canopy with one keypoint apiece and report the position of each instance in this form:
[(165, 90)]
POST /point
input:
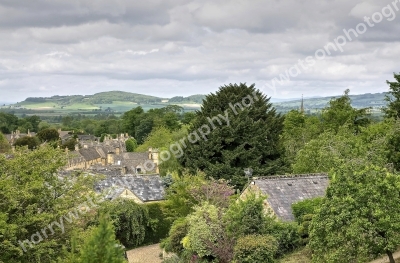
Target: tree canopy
[(102, 247), (237, 127), (360, 217), (49, 134), (33, 196), (393, 98), (4, 145)]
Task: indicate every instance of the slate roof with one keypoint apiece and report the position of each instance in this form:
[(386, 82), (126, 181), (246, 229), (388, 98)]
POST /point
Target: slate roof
[(146, 187), (135, 156), (9, 137), (86, 137), (89, 154), (283, 191), (64, 134)]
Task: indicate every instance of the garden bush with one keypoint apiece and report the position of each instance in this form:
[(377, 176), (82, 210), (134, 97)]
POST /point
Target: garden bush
[(255, 249)]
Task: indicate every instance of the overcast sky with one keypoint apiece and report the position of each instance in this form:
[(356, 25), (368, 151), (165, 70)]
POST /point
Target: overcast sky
[(177, 47)]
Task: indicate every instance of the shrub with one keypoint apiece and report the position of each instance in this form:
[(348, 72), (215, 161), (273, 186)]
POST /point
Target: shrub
[(48, 135), (131, 145), (173, 243), (287, 235), (130, 221), (304, 228), (304, 212), (31, 142), (206, 236), (247, 216), (255, 249), (158, 226), (70, 144), (306, 207)]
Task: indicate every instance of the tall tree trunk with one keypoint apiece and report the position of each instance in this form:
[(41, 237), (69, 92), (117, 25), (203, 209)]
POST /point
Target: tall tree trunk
[(390, 255)]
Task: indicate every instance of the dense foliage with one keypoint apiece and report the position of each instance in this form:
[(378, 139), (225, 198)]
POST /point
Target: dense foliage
[(130, 221), (203, 219), (360, 216), (48, 135), (255, 249), (225, 139), (101, 246), (393, 98), (4, 145), (33, 197)]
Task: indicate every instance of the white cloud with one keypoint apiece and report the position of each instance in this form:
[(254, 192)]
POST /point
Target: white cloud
[(172, 47)]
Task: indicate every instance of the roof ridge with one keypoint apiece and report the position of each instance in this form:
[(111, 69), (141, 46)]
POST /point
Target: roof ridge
[(291, 176)]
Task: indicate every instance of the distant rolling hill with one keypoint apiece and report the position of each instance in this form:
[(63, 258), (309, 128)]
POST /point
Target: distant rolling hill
[(119, 101), (113, 101), (375, 100)]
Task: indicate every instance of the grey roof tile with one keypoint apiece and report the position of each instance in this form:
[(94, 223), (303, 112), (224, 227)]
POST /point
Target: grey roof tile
[(146, 188), (283, 191)]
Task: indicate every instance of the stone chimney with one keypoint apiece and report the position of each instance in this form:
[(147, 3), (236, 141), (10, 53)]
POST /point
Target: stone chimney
[(117, 151), (110, 158), (153, 155), (76, 147)]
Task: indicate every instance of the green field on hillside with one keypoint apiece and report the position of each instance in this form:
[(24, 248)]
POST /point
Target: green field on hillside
[(118, 102)]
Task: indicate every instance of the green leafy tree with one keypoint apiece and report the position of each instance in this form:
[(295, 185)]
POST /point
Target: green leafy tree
[(24, 126), (171, 121), (187, 191), (70, 144), (31, 142), (360, 216), (143, 129), (131, 119), (206, 236), (247, 217), (340, 113), (188, 117), (48, 135), (102, 247), (160, 137), (8, 122), (298, 130), (255, 249), (4, 145), (130, 221), (33, 196), (164, 139), (179, 200), (330, 149), (393, 98), (173, 243), (43, 125), (34, 122), (248, 137), (131, 145)]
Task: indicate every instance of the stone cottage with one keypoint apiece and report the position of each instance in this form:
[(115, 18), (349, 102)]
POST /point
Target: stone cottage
[(283, 191)]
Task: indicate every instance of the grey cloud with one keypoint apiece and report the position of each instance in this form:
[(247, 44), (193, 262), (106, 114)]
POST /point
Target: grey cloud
[(175, 47)]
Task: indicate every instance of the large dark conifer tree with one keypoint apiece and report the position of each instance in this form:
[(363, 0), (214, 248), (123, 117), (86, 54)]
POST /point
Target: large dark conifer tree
[(246, 135)]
